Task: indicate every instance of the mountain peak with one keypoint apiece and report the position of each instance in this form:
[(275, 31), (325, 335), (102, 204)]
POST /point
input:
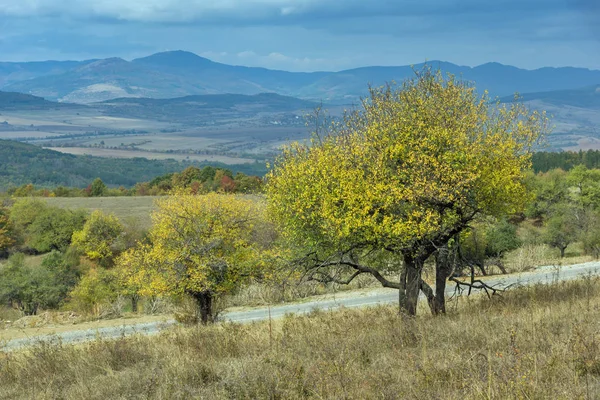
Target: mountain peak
[(176, 58)]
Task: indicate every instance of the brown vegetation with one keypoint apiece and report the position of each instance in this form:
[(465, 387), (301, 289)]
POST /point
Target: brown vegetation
[(539, 342)]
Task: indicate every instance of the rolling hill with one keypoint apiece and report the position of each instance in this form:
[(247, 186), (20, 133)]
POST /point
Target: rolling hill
[(22, 163), (586, 97), (20, 101), (179, 73), (191, 109)]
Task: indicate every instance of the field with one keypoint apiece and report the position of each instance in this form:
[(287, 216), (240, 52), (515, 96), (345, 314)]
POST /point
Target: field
[(228, 133), (99, 152), (532, 343), (135, 208)]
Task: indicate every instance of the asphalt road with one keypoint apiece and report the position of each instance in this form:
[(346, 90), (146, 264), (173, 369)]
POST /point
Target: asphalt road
[(546, 275)]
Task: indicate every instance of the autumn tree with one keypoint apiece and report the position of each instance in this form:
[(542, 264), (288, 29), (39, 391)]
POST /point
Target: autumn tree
[(202, 246), (404, 174), (98, 237), (7, 234)]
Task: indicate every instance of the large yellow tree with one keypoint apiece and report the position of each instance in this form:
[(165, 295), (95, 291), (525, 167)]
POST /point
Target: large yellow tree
[(400, 177), (202, 246)]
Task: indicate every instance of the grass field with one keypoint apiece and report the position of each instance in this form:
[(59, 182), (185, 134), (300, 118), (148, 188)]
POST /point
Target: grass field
[(135, 208), (541, 342)]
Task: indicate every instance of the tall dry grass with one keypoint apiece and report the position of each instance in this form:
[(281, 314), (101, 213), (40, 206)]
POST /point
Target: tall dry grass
[(534, 343)]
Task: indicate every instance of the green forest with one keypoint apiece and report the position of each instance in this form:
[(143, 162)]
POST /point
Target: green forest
[(22, 164)]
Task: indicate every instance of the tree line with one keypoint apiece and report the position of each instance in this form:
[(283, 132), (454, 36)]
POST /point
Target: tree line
[(23, 164), (193, 179)]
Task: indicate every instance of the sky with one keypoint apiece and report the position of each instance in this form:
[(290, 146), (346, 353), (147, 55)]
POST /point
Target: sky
[(308, 35)]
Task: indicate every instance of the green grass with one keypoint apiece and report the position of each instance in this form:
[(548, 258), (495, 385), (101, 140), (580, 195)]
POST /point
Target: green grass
[(541, 342)]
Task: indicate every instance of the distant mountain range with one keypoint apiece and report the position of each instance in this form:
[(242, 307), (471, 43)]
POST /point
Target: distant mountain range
[(179, 73)]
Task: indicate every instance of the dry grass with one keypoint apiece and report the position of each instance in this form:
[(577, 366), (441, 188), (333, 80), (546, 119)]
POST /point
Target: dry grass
[(126, 208), (535, 343), (530, 256)]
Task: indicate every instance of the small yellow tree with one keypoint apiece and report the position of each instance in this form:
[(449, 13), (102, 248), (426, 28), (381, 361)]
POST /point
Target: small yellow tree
[(98, 237), (402, 176), (202, 246)]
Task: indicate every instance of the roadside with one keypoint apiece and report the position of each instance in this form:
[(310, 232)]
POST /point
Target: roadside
[(349, 299)]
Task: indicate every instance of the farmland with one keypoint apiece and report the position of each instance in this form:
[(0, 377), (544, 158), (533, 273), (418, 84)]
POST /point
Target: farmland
[(230, 129)]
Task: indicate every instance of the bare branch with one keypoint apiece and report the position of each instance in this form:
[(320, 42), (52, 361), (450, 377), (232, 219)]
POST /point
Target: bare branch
[(476, 284), (324, 278), (363, 269)]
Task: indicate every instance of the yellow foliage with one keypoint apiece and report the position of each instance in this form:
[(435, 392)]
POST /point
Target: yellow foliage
[(98, 236), (196, 244), (413, 164)]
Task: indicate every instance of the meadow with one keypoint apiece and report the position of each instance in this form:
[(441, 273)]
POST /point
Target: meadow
[(129, 209), (530, 343)]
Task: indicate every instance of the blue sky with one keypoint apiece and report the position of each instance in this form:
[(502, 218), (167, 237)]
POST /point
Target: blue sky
[(308, 35)]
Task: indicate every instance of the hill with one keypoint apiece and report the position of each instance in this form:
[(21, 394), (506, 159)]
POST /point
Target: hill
[(22, 163), (179, 73), (586, 97), (191, 109), (20, 101)]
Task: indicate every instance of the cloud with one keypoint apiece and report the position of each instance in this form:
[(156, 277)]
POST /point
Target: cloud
[(534, 19), (277, 60), (261, 11), (308, 34)]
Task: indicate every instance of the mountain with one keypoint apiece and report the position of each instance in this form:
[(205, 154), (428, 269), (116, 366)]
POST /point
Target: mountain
[(20, 71), (180, 73), (586, 97)]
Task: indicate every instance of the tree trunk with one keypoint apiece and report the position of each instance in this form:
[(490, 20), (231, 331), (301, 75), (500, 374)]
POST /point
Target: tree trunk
[(500, 265), (205, 303), (134, 303), (443, 269), (562, 251), (402, 290), (414, 268), (481, 267)]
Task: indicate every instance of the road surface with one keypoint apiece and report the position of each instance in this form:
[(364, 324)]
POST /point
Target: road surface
[(548, 274)]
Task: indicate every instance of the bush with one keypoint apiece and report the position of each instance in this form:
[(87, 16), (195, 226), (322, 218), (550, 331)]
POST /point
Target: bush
[(96, 292), (30, 288)]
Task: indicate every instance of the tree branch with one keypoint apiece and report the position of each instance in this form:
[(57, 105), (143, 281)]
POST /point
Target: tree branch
[(476, 284), (363, 269), (332, 279)]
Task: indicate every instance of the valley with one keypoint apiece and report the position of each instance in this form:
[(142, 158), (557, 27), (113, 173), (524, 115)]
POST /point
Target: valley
[(177, 105)]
